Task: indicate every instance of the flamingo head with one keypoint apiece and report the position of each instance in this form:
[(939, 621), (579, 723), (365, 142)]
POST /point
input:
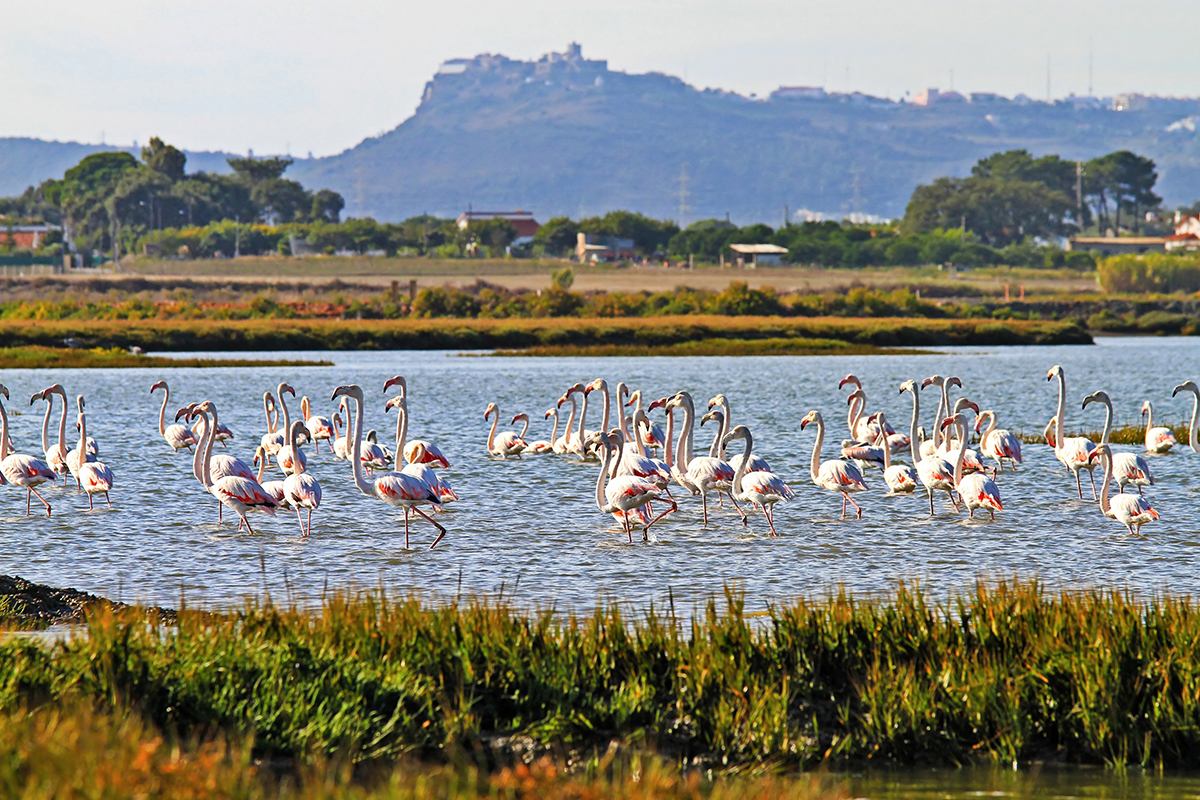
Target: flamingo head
[(740, 432), (634, 396), (1095, 397), (391, 403), (522, 417), (851, 378), (283, 387), (1145, 406), (561, 400), (353, 390), (396, 381), (659, 403), (716, 415), (259, 452), (953, 381), (719, 400), (1055, 372), (1187, 386), (963, 403), (188, 411), (908, 386), (491, 409), (979, 420), (598, 385), (37, 396), (811, 416), (551, 412), (857, 394), (622, 390), (933, 380), (1100, 450), (4, 391), (158, 385), (948, 421)]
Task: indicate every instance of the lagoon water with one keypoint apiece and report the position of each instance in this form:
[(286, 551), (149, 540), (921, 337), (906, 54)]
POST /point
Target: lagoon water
[(531, 526)]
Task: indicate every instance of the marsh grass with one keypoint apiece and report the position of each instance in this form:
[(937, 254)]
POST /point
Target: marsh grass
[(1008, 672), (477, 334), (39, 357), (716, 347), (1125, 434)]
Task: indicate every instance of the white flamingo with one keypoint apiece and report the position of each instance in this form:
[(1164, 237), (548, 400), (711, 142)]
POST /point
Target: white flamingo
[(761, 488), (302, 490), (1128, 468), (273, 439), (1194, 425), (505, 443), (900, 478), (537, 446), (564, 444), (417, 448), (757, 462), (56, 453), (1074, 452), (998, 444), (653, 436), (272, 487), (94, 476), (841, 477), (178, 436), (289, 457), (976, 490), (701, 474), (239, 493), (1131, 510), (935, 472), (625, 493), (76, 458), (421, 467), (862, 427), (19, 469), (318, 428), (1159, 440), (393, 488), (220, 465)]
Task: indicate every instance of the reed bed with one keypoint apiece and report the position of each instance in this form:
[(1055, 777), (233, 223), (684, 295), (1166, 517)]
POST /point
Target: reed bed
[(1009, 672), (38, 357), (1125, 434), (717, 347), (456, 334)]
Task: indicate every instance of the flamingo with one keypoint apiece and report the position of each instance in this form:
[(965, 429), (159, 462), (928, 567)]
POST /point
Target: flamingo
[(1128, 468), (976, 490), (417, 448), (653, 436), (704, 474), (564, 444), (301, 489), (239, 493), (1074, 452), (319, 429), (553, 412), (177, 436), (76, 458), (1190, 386), (834, 475), (289, 457), (757, 462), (761, 488), (583, 444), (935, 472), (56, 454), (422, 467), (900, 478), (663, 466), (998, 445), (19, 469), (339, 439), (273, 487), (506, 443), (1132, 511), (636, 463), (273, 439), (1158, 440), (220, 465), (935, 446), (971, 462), (625, 493), (538, 446), (393, 488), (862, 453), (94, 476), (862, 429), (714, 450), (374, 455)]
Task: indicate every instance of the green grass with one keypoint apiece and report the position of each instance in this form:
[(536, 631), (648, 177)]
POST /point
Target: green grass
[(38, 357), (1008, 672), (1125, 434), (716, 347)]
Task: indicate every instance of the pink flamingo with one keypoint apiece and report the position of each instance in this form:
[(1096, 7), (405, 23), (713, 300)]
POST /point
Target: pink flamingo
[(935, 472), (273, 487), (1128, 468), (422, 468), (393, 488), (976, 490), (1159, 440), (900, 478), (505, 443), (841, 477), (701, 474), (998, 445), (220, 465), (240, 494), (1132, 511), (538, 446), (94, 476), (19, 469), (625, 493), (290, 459), (318, 428), (1074, 452), (56, 454), (302, 490), (863, 453), (1194, 426), (417, 448), (757, 462), (760, 488), (273, 439), (652, 437), (177, 436)]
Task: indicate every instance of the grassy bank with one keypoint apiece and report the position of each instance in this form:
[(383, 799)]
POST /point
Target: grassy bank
[(439, 334), (1124, 434), (38, 357), (1010, 672), (716, 347)]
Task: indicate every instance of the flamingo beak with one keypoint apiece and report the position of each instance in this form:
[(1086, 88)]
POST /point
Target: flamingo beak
[(946, 423), (1176, 391), (804, 422), (973, 407), (843, 381), (925, 383)]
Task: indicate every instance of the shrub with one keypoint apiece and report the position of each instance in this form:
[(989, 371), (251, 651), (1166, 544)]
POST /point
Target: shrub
[(1152, 272)]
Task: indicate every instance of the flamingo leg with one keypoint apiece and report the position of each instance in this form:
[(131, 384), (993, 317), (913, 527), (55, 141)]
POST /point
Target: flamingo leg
[(91, 505), (406, 527), (300, 519), (221, 513), (1078, 485), (953, 502), (770, 512), (628, 529), (39, 497), (434, 523), (993, 513), (1092, 475), (704, 504), (28, 499), (246, 520), (930, 491), (856, 506), (108, 500), (733, 500), (845, 497), (674, 507)]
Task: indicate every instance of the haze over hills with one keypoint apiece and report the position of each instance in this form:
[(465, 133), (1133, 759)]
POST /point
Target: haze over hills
[(566, 135)]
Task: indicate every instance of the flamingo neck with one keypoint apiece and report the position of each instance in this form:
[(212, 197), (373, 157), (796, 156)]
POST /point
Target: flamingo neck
[(525, 429), (46, 423), (602, 478), (360, 478), (568, 427), (913, 444), (1108, 473), (960, 426), (1195, 418), (62, 425), (294, 441), (262, 464), (198, 456), (266, 412), (1108, 415), (3, 432), (401, 430), (1062, 412), (162, 417), (287, 418), (816, 455), (669, 455), (883, 439), (991, 427), (492, 433), (715, 450), (725, 426), (686, 440), (855, 412), (943, 409), (639, 417), (582, 422), (210, 431), (82, 447), (741, 470), (622, 420), (554, 433), (1149, 415), (604, 420)]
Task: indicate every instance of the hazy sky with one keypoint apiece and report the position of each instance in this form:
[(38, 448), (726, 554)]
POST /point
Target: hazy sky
[(319, 76)]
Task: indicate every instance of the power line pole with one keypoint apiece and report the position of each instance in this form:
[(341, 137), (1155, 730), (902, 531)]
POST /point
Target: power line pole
[(1079, 194)]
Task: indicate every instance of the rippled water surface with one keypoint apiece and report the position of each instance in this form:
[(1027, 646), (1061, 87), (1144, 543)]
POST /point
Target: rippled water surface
[(532, 526)]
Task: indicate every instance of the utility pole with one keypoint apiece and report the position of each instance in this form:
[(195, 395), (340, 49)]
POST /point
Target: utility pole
[(1079, 193), (237, 236)]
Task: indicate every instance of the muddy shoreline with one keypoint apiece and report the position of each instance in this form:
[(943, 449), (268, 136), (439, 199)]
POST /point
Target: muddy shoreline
[(27, 604)]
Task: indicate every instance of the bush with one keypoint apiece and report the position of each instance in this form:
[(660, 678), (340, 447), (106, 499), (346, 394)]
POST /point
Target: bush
[(1152, 272)]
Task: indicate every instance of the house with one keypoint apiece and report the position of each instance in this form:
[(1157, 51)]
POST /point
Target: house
[(27, 237), (754, 255), (1187, 233), (522, 221), (594, 247), (927, 97)]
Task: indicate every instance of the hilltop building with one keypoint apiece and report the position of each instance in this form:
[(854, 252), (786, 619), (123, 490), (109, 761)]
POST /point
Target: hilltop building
[(24, 236)]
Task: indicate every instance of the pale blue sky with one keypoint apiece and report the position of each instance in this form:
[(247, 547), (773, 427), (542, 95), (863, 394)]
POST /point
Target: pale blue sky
[(320, 76)]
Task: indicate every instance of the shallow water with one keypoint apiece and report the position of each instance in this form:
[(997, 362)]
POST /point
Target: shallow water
[(532, 527), (1050, 782)]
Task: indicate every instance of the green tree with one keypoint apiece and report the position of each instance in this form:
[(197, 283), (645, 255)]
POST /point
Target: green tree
[(253, 171), (281, 200), (1126, 181), (558, 235), (327, 205), (165, 159)]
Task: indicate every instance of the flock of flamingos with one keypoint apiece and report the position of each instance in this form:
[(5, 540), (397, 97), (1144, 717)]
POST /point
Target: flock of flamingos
[(631, 480)]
